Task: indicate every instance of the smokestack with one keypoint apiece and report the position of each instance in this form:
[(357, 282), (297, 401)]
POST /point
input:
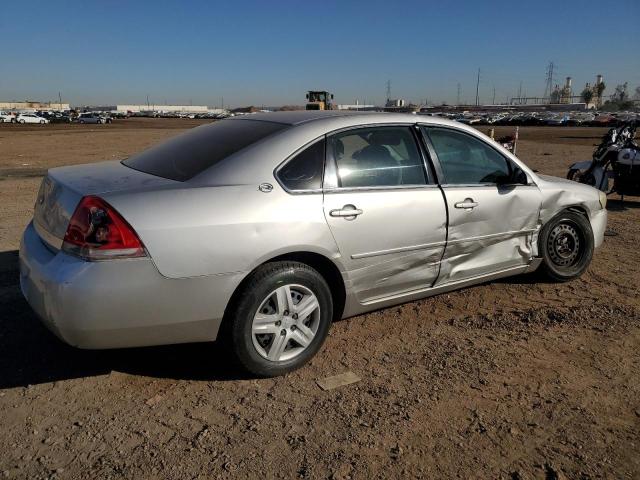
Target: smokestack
[(598, 79), (568, 84)]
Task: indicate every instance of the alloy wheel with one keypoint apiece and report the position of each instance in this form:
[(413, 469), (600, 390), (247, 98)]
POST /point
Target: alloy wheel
[(286, 323)]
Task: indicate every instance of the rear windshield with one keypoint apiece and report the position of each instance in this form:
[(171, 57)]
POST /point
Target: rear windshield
[(189, 154)]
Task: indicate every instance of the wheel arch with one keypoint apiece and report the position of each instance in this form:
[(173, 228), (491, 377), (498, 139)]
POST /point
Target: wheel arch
[(321, 263)]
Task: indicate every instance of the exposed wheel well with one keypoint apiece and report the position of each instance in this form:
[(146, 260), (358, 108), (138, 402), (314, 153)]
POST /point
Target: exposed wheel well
[(322, 264)]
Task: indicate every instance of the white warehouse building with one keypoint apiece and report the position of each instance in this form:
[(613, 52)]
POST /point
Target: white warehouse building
[(147, 108)]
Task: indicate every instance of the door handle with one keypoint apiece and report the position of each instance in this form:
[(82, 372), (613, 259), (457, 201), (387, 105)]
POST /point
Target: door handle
[(467, 204), (349, 212)]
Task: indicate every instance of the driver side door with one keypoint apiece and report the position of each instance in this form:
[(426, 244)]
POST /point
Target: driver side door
[(493, 219)]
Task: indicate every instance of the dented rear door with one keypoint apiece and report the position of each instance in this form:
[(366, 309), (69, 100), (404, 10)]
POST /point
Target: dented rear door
[(386, 214), (491, 227)]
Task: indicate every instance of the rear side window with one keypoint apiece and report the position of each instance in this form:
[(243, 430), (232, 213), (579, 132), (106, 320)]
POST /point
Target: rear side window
[(304, 171), (191, 153)]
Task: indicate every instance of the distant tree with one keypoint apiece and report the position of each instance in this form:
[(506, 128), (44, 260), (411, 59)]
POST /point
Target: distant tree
[(600, 87), (587, 95), (636, 96), (621, 94)]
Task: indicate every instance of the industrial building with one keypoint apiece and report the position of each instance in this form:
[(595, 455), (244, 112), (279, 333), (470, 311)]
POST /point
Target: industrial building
[(147, 108), (30, 106)]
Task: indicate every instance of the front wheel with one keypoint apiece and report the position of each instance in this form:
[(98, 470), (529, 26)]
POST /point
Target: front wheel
[(566, 246), (279, 319)]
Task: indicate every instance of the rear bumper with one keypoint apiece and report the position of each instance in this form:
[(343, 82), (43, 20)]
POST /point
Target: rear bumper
[(119, 303)]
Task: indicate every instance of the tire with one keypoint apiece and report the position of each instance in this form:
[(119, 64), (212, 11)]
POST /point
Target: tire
[(261, 305), (22, 121), (566, 246), (42, 122), (572, 173), (81, 121), (99, 122)]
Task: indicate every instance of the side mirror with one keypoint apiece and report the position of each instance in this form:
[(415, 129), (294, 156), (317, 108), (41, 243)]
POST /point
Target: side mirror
[(519, 177)]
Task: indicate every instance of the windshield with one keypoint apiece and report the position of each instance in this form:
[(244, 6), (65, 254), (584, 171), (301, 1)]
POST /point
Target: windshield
[(189, 154)]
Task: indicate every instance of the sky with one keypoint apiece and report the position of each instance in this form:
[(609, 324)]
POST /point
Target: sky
[(271, 52)]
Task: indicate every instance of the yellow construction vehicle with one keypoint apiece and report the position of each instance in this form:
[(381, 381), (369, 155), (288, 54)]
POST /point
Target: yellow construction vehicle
[(319, 100)]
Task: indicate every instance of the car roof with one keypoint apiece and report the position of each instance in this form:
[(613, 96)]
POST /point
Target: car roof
[(343, 117)]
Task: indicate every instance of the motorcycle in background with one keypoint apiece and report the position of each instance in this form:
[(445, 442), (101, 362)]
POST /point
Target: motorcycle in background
[(617, 158)]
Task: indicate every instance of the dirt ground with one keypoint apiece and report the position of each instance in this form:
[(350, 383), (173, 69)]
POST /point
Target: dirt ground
[(514, 379)]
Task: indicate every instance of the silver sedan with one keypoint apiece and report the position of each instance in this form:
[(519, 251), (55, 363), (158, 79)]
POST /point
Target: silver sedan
[(259, 231)]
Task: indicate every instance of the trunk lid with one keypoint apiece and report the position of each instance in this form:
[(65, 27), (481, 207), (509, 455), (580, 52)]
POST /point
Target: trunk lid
[(63, 187)]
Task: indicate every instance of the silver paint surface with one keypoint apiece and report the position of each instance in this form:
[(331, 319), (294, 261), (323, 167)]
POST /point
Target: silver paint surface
[(207, 234)]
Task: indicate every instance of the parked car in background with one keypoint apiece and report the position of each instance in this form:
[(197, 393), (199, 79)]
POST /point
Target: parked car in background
[(7, 117), (31, 118), (93, 117), (258, 231)]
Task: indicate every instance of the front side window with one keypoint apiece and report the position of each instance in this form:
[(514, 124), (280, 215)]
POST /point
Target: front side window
[(377, 157), (467, 160), (304, 171)]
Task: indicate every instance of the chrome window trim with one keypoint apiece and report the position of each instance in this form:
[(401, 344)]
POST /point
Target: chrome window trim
[(378, 188), (476, 185)]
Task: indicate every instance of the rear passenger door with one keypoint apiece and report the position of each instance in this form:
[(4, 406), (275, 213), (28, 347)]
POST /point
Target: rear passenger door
[(386, 214), (493, 206)]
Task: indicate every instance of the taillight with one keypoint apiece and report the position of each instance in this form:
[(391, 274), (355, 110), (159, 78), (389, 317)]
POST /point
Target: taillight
[(97, 232)]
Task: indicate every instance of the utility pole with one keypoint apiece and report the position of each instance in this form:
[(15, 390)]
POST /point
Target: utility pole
[(388, 90), (60, 101), (478, 89), (147, 102), (493, 102), (458, 97), (520, 93)]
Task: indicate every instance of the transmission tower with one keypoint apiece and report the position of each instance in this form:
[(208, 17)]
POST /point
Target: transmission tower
[(548, 89)]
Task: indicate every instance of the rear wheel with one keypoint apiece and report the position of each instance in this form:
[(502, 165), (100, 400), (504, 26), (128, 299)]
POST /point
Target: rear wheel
[(280, 318), (566, 244)]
